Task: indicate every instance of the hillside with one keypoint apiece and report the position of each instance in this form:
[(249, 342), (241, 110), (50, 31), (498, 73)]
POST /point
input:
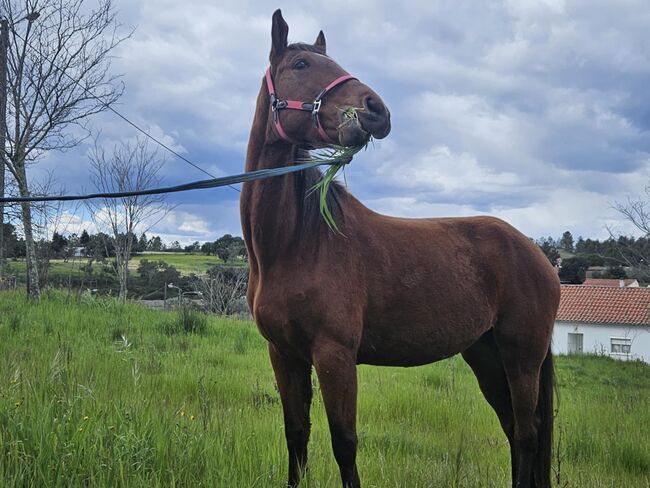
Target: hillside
[(97, 393)]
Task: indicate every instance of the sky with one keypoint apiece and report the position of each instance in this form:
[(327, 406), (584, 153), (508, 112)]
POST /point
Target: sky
[(534, 111)]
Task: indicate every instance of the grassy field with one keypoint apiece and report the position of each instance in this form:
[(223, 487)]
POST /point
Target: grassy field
[(73, 275), (95, 393), (58, 267), (185, 263)]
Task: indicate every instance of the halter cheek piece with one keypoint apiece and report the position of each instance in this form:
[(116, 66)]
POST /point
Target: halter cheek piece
[(314, 107)]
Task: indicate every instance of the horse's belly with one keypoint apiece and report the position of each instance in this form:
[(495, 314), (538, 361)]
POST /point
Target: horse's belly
[(417, 345)]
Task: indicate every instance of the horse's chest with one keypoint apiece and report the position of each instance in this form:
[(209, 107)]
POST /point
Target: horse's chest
[(277, 321)]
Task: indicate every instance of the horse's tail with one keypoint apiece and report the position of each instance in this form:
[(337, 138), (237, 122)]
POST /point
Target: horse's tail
[(544, 414)]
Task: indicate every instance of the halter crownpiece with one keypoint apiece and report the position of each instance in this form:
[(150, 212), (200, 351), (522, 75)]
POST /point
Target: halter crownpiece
[(278, 104)]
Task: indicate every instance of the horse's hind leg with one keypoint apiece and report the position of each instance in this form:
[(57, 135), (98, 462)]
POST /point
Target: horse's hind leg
[(337, 374), (485, 360), (526, 358), (294, 383)]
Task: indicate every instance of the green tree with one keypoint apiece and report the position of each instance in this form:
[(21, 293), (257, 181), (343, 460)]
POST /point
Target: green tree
[(142, 243), (574, 270), (58, 244), (71, 246), (155, 244), (196, 246), (84, 238), (157, 273), (228, 248), (10, 243), (548, 247), (615, 272), (208, 248), (99, 247), (566, 242)]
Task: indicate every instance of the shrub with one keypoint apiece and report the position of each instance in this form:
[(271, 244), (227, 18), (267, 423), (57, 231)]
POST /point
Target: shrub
[(188, 320), (223, 289)]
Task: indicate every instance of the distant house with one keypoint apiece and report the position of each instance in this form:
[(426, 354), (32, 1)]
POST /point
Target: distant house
[(608, 320), (596, 270), (625, 283)]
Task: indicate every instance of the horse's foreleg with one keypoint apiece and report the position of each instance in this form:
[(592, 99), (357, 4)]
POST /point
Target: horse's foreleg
[(293, 377), (337, 374)]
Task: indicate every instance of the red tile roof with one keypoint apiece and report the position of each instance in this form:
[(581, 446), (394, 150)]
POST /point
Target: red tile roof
[(608, 282), (605, 305)]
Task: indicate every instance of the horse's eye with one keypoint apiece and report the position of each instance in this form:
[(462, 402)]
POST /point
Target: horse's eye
[(300, 64)]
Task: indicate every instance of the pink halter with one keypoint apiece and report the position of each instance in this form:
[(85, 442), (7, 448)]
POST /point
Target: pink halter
[(314, 107)]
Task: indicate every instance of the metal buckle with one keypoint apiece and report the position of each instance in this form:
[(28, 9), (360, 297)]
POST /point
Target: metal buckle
[(277, 104), (315, 107)]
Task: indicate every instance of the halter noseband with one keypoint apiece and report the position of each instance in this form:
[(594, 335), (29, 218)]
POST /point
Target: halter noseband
[(314, 107)]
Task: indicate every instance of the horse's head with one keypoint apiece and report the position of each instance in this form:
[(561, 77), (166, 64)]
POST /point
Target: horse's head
[(316, 102)]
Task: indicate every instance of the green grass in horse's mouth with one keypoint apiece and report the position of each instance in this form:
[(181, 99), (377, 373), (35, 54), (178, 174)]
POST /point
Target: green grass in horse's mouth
[(333, 153)]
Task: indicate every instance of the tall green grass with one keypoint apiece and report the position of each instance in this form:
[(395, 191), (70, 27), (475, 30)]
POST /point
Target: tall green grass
[(94, 392)]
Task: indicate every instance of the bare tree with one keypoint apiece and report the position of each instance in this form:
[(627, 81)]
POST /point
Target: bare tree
[(58, 75), (222, 289), (132, 166), (637, 212)]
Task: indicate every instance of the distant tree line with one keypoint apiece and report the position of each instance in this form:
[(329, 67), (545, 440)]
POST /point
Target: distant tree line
[(99, 246), (619, 256), (96, 254)]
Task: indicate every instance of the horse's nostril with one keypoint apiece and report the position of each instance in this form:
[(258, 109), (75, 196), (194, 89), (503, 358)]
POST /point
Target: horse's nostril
[(373, 105), (375, 118)]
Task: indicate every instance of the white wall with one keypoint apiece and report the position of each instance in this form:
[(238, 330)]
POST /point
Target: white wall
[(597, 339)]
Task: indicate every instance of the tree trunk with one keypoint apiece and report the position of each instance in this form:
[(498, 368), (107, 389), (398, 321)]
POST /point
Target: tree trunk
[(4, 45), (122, 268), (33, 290), (124, 276)]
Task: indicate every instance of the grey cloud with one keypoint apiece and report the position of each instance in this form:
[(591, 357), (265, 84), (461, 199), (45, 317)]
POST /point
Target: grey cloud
[(554, 93)]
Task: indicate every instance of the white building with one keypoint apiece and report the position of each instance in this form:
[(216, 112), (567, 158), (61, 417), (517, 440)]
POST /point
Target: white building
[(622, 283), (604, 320)]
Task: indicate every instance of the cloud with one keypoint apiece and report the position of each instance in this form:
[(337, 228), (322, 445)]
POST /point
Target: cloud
[(73, 223), (536, 111), (205, 222)]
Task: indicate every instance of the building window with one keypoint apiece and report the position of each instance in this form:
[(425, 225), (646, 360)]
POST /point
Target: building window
[(621, 345)]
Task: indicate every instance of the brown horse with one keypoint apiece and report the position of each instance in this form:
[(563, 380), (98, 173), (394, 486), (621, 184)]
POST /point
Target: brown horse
[(390, 291)]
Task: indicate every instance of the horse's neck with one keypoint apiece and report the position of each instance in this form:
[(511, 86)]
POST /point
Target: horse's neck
[(268, 207)]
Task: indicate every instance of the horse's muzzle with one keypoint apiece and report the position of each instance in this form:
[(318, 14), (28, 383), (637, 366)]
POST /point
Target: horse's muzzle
[(375, 118)]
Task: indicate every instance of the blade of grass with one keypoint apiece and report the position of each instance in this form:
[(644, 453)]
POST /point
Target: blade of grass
[(333, 153)]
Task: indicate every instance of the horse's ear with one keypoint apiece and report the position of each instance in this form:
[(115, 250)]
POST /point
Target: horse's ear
[(279, 33), (320, 42)]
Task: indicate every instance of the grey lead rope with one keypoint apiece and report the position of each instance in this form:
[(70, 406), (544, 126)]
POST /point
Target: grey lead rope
[(196, 185)]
